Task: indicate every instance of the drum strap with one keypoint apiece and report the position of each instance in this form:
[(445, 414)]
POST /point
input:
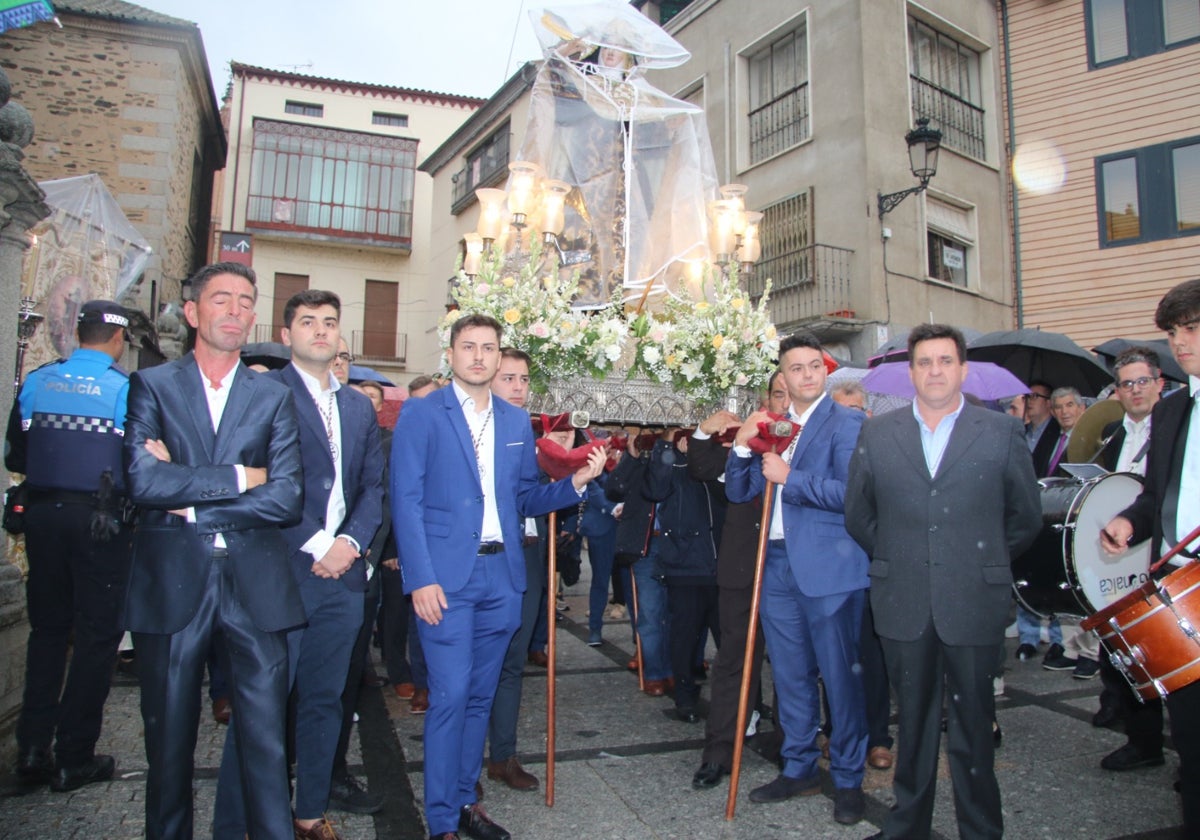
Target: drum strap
[(1137, 459)]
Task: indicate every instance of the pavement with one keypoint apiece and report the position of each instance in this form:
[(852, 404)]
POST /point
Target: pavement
[(624, 765)]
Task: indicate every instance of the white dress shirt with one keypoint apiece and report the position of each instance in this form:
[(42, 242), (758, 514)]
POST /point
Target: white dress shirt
[(335, 507), (482, 426), (1188, 515), (217, 398), (1137, 433)]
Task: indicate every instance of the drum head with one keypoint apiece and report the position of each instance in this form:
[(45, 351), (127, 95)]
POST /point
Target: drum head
[(1098, 577)]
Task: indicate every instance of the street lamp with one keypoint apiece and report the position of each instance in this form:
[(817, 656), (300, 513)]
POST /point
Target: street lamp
[(923, 145)]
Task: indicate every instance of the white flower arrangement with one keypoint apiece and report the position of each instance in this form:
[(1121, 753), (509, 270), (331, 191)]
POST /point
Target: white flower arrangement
[(702, 347)]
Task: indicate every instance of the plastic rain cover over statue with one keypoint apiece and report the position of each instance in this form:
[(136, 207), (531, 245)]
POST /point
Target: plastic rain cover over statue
[(85, 249), (638, 160)]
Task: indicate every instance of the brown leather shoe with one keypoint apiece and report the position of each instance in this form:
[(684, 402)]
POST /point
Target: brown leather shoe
[(322, 829), (655, 688), (512, 774), (221, 710), (539, 658), (419, 704), (405, 691), (631, 665), (879, 757)]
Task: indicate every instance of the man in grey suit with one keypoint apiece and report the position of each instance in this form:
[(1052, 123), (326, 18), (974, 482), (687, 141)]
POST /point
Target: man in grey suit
[(942, 497)]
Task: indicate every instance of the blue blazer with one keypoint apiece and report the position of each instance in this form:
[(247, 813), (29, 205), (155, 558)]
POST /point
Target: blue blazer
[(437, 497), (362, 475), (171, 557), (825, 559)]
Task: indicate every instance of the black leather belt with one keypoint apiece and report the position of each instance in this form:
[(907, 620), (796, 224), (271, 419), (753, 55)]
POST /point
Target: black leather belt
[(490, 548)]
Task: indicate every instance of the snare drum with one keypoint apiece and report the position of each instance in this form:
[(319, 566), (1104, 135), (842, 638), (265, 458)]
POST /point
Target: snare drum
[(1066, 572), (1152, 635)]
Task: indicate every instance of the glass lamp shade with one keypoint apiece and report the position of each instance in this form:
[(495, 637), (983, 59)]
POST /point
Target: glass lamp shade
[(721, 222), (523, 187), (474, 254), (554, 195), (751, 248), (492, 218), (923, 145)]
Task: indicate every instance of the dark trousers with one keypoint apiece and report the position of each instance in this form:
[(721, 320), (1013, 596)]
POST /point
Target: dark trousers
[(693, 608), (1143, 721), (402, 652), (1184, 708), (171, 670), (318, 659), (75, 590), (920, 670), (506, 707), (875, 683), (725, 681), (358, 664)]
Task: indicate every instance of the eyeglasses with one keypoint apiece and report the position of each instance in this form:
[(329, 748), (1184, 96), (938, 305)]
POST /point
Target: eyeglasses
[(1034, 395), (1130, 384), (345, 357)]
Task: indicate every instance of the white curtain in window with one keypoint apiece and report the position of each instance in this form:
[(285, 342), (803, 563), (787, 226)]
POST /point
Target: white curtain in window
[(1109, 38), (1181, 20)]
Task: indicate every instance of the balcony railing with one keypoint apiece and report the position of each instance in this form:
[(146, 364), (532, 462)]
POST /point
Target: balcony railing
[(811, 282), (779, 124), (486, 170), (379, 346), (960, 122)]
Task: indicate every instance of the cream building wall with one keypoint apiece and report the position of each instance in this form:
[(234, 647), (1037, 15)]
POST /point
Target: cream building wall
[(344, 266)]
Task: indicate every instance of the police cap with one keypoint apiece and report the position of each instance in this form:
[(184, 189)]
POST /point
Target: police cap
[(104, 312)]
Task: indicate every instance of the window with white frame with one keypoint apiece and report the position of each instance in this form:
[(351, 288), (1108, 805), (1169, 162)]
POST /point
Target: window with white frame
[(946, 87), (778, 105), (950, 238)]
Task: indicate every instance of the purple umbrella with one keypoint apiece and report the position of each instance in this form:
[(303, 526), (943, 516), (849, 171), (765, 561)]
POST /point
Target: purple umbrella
[(985, 380)]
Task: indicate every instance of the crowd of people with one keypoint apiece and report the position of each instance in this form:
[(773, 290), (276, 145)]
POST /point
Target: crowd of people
[(263, 527)]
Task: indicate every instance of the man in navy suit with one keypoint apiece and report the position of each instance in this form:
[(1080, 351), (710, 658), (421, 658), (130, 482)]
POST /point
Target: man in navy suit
[(464, 474), (814, 581), (212, 458), (343, 507)]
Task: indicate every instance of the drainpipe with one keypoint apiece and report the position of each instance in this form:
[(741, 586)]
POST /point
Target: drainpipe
[(1012, 149)]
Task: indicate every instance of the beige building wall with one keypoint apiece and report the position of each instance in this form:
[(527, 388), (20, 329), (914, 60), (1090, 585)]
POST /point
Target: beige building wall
[(860, 110), (1070, 282), (132, 102), (344, 266)]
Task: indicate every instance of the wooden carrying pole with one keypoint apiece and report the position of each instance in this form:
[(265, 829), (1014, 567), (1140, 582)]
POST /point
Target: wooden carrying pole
[(551, 603), (637, 636), (739, 734)]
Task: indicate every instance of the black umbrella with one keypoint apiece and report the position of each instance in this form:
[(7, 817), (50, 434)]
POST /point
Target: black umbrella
[(1036, 354), (895, 349), (1114, 347), (270, 354)]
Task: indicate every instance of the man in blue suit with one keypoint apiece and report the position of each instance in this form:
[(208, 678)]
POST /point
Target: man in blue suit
[(343, 507), (212, 458), (464, 475), (814, 581)]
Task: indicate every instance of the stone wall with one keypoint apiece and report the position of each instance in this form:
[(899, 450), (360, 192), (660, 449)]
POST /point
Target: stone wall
[(108, 99)]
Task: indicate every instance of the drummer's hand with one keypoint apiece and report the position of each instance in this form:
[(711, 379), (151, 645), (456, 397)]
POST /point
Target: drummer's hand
[(1115, 536)]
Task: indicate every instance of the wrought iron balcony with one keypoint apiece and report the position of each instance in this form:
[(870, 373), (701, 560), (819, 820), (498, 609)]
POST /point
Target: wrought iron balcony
[(807, 285)]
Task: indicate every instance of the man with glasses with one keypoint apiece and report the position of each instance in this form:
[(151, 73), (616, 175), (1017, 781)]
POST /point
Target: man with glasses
[(340, 366), (1127, 441)]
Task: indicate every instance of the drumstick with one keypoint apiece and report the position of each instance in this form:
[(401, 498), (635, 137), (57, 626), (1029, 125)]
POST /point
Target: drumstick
[(1179, 546)]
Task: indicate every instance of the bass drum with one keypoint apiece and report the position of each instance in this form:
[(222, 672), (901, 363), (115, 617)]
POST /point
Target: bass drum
[(1066, 572)]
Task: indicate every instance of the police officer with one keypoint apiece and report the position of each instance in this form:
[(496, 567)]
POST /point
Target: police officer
[(65, 435)]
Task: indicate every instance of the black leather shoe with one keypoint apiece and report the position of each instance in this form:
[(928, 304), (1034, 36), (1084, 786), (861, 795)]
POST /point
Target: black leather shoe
[(784, 787), (35, 766), (1129, 757), (474, 822), (1026, 652), (99, 769), (687, 714), (849, 804), (346, 794), (708, 776)]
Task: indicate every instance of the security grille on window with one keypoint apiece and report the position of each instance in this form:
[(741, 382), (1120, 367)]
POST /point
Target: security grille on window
[(944, 75), (786, 231), (779, 96), (338, 183), (950, 235)]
